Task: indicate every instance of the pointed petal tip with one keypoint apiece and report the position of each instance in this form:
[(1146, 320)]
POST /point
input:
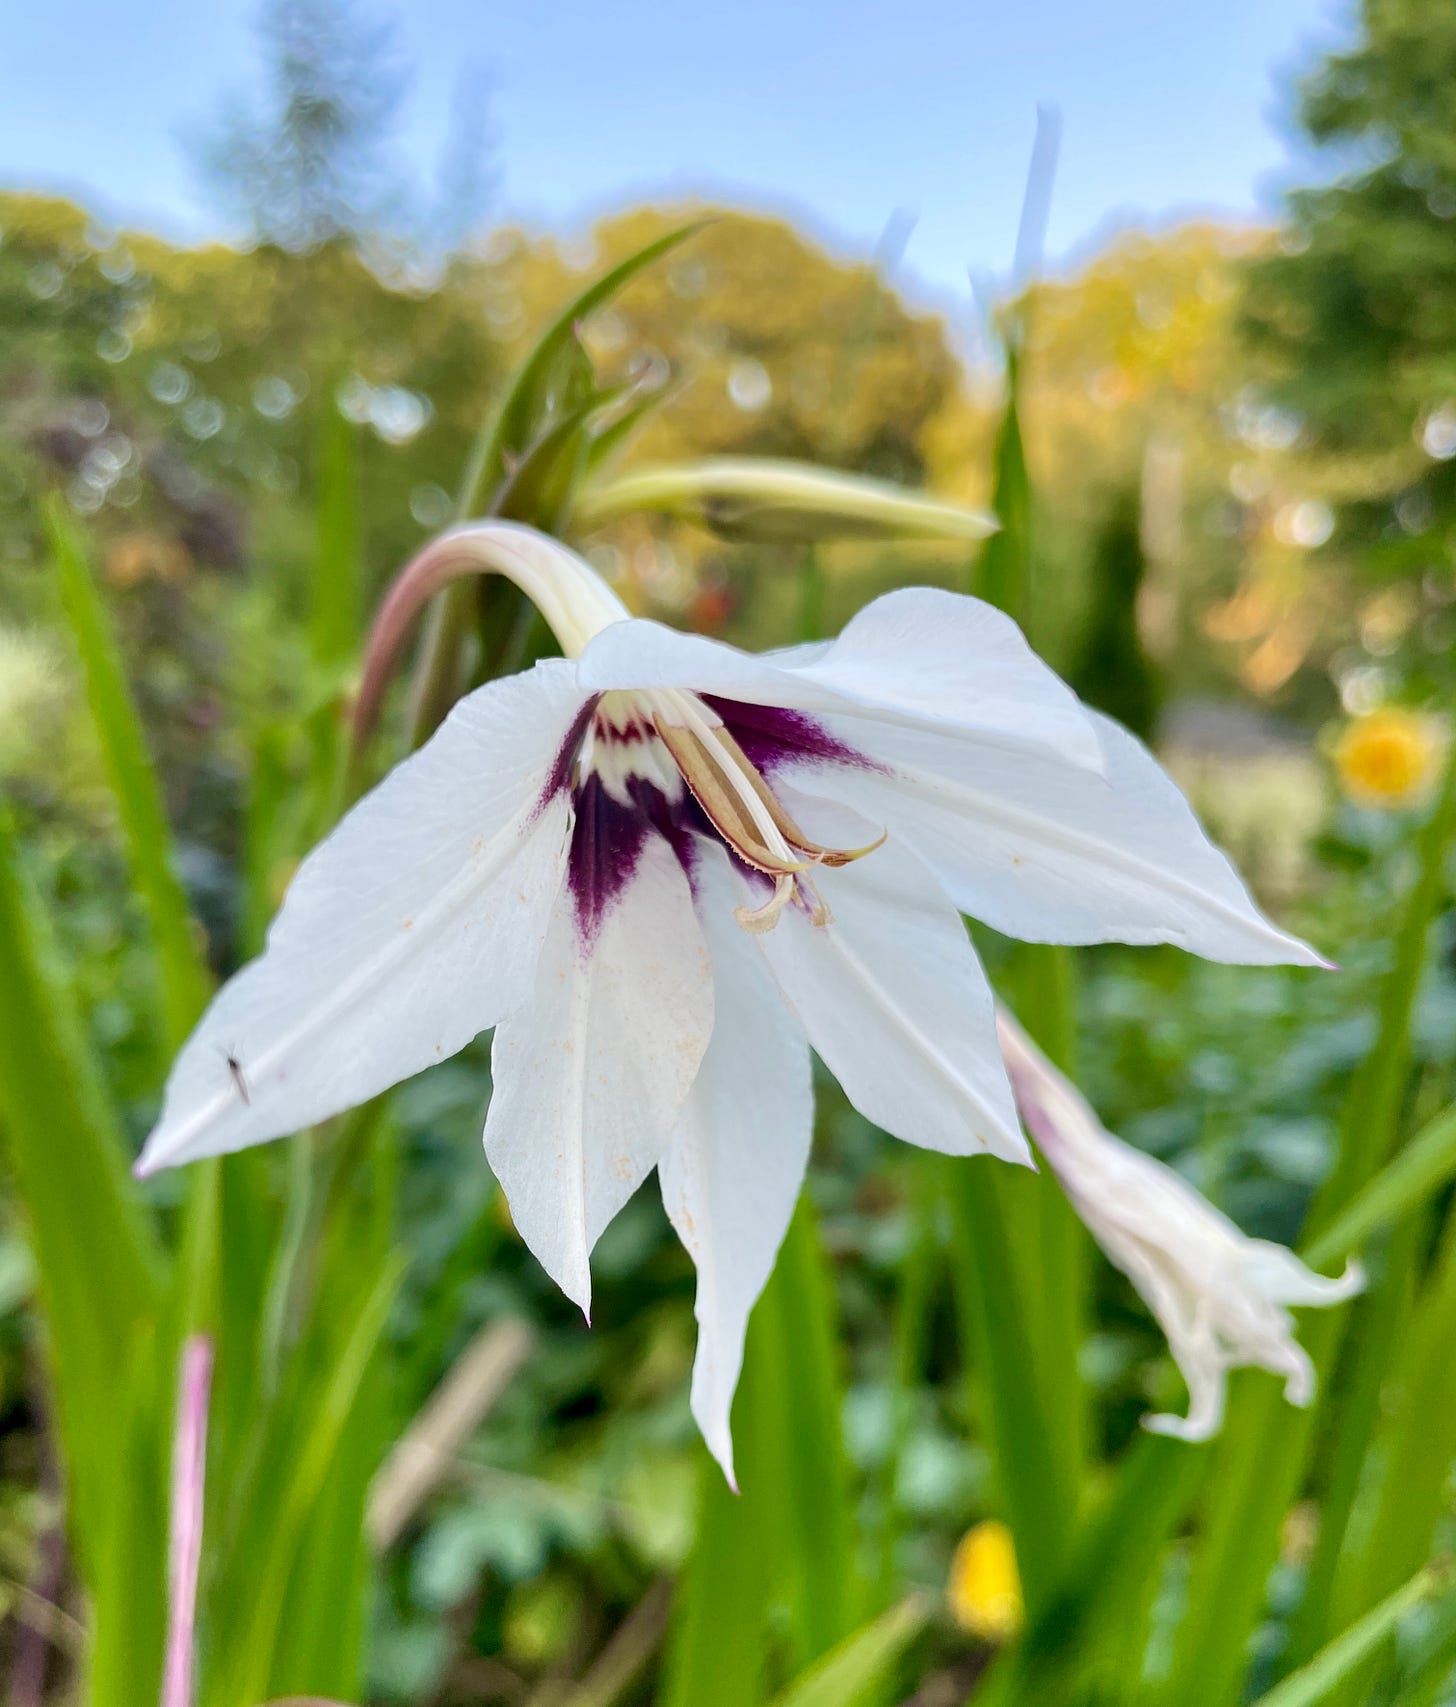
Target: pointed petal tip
[(721, 1447), (576, 1284), (1309, 955), (147, 1163), (710, 1413), (1008, 1143), (577, 1288), (1298, 952)]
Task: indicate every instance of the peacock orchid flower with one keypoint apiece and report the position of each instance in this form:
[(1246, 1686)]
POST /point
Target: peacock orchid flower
[(1220, 1298), (662, 869)]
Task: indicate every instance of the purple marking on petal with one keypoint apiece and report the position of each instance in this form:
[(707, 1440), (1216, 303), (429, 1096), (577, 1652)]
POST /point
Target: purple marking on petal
[(607, 840), (679, 822), (559, 776), (606, 843), (772, 735)]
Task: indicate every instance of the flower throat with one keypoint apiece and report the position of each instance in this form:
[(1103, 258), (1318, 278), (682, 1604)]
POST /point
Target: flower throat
[(686, 767)]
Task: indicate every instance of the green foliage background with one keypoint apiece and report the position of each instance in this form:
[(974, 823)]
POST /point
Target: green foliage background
[(212, 461)]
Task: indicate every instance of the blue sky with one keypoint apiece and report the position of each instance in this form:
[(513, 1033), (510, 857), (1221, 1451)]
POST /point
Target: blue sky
[(840, 111)]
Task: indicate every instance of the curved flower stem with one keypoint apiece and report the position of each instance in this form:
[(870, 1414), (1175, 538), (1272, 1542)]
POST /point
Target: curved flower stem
[(574, 601)]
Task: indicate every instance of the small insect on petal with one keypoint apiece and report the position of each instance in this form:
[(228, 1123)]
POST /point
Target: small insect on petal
[(240, 1083)]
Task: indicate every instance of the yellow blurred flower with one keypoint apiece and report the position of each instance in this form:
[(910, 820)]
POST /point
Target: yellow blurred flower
[(985, 1587), (1388, 759)]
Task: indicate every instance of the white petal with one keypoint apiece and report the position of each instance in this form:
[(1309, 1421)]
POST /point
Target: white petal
[(1052, 852), (926, 655), (409, 930), (893, 998), (731, 1175), (919, 657), (591, 1078)]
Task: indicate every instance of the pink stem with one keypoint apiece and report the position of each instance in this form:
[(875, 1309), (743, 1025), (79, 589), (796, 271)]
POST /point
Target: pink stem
[(440, 562), (189, 1474)]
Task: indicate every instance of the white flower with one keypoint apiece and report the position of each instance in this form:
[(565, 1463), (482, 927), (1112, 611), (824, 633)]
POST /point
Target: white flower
[(662, 869), (1219, 1297)]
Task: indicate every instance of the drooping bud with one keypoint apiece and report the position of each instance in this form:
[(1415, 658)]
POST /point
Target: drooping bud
[(761, 499), (1221, 1298)]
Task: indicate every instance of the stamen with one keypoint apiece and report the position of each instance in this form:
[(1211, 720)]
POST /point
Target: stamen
[(692, 733), (748, 831), (668, 737), (760, 920), (710, 741)]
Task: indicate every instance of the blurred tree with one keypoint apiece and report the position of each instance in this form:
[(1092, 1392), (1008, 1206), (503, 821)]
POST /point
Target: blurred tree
[(775, 346), (1358, 301), (1136, 378), (766, 345), (308, 163), (1354, 313)]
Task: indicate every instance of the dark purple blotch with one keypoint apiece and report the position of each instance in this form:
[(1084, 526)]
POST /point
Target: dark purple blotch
[(772, 736), (560, 775), (608, 836)]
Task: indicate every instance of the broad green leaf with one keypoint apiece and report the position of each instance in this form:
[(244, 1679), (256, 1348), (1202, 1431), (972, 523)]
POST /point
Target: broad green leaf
[(1320, 1680), (716, 1642), (553, 381), (1096, 1615), (181, 967), (1405, 1184), (97, 1261), (245, 1666), (1003, 576), (129, 1580), (321, 1642), (1256, 1469), (545, 380), (1020, 1257), (999, 1323), (860, 1662), (1412, 1452), (799, 1332), (148, 838), (336, 602), (1357, 1377), (918, 1275), (335, 606), (787, 1539), (1052, 1250)]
